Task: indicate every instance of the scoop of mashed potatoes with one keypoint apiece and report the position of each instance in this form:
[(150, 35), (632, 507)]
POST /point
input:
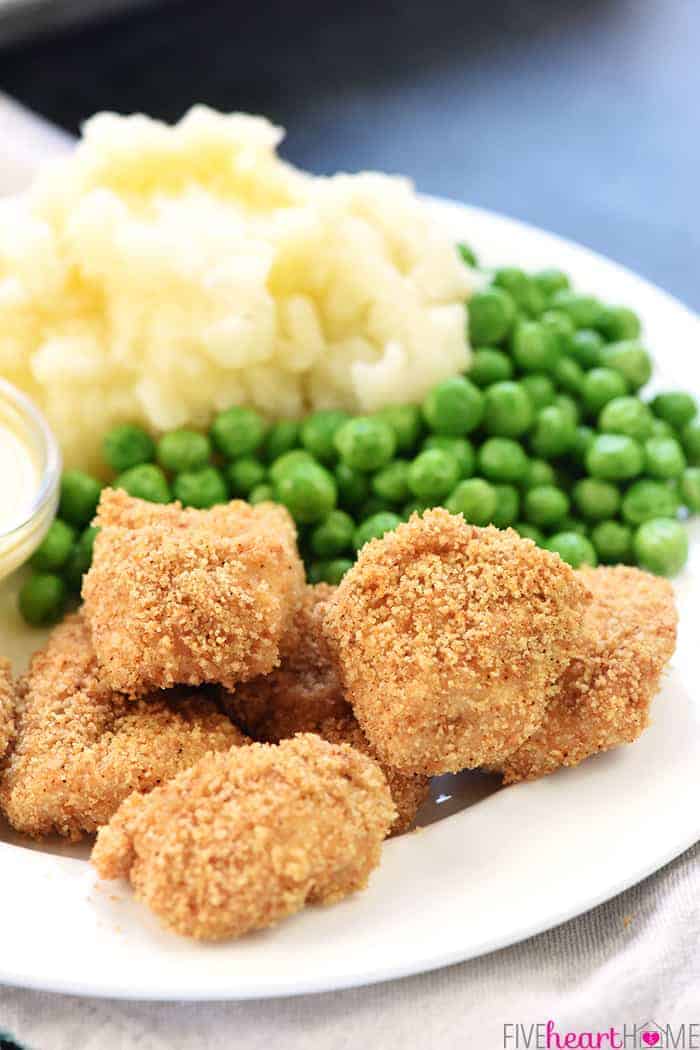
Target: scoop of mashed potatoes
[(159, 274)]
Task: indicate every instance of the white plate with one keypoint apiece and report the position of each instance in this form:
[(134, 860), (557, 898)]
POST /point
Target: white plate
[(499, 866)]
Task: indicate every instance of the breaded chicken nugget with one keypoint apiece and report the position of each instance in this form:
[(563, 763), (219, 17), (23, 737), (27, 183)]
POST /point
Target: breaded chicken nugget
[(8, 700), (80, 749), (305, 695), (450, 639), (183, 597), (304, 689), (603, 698), (243, 839)]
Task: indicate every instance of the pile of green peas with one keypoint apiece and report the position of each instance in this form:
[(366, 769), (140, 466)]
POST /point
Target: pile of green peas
[(546, 433)]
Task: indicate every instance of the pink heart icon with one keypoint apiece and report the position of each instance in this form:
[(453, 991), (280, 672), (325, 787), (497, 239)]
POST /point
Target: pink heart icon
[(650, 1038)]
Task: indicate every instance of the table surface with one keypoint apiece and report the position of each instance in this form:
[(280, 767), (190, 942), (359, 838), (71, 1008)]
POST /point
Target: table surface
[(580, 116)]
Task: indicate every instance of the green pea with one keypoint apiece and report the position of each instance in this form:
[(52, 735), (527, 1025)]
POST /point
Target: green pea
[(55, 548), (690, 437), (596, 499), (261, 494), (333, 571), (601, 385), (675, 407), (315, 571), (612, 541), (630, 359), (182, 450), (365, 443), (432, 475), (414, 506), (374, 505), (79, 496), (475, 499), (569, 375), (489, 366), (147, 481), (508, 410), (530, 532), (374, 528), (507, 506), (333, 535), (238, 432), (551, 281), (80, 559), (619, 322), (201, 488), (646, 499), (572, 548), (562, 328), (586, 348), (526, 293), (287, 461), (391, 482), (660, 428), (567, 404), (461, 448), (467, 255), (491, 316), (554, 433), (538, 472), (126, 446), (664, 458), (626, 415), (307, 490), (581, 443), (614, 457), (42, 599), (545, 505), (539, 388), (661, 546), (584, 310), (454, 407), (690, 489), (353, 486), (318, 434), (535, 347), (407, 423), (281, 437), (243, 475), (571, 524), (502, 459)]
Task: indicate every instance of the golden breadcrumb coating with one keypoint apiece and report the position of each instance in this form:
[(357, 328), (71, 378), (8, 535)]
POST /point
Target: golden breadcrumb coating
[(184, 597), (450, 640), (305, 695), (8, 700), (603, 698), (243, 839), (80, 749), (408, 790), (304, 689)]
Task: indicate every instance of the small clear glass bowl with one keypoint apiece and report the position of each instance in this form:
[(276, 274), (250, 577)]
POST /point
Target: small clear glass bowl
[(19, 538)]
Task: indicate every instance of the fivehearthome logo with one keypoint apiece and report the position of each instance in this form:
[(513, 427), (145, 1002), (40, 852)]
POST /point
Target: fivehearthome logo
[(548, 1035)]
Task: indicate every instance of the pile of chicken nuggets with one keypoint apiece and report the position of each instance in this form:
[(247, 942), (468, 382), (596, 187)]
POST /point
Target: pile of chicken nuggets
[(242, 743)]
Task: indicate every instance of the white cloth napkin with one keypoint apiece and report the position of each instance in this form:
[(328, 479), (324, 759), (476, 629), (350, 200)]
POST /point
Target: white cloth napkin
[(627, 962)]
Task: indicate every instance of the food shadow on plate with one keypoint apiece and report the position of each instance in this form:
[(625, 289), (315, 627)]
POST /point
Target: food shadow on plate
[(52, 844), (453, 792)]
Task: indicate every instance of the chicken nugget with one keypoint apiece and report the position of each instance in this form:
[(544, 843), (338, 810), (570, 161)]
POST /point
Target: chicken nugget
[(8, 700), (185, 597), (80, 748), (304, 689), (450, 640), (241, 840), (603, 698)]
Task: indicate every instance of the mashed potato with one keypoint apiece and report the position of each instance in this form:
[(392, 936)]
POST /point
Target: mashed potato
[(160, 274)]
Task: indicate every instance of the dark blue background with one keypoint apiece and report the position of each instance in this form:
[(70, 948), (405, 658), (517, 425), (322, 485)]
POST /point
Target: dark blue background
[(582, 117)]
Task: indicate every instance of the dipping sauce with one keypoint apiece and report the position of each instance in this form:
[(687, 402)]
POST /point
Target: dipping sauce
[(29, 478)]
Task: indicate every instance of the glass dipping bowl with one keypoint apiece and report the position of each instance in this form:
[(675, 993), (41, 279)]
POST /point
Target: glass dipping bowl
[(27, 523)]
